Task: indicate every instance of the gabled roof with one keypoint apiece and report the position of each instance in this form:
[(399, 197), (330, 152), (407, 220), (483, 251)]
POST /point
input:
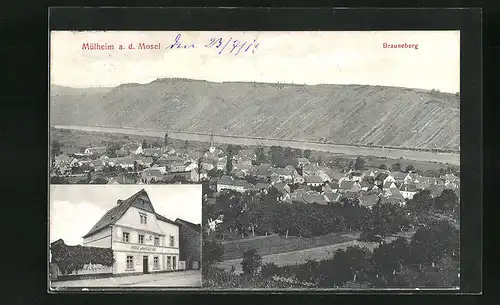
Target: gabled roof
[(117, 212), (365, 184), (398, 175), (346, 185), (333, 197), (190, 225), (388, 184), (313, 179)]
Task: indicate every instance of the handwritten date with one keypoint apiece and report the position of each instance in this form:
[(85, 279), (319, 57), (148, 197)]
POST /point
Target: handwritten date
[(232, 46), (221, 45)]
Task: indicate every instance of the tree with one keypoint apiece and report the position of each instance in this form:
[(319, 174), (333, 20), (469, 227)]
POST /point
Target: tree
[(212, 252), (421, 202), (260, 155), (396, 167), (447, 201), (165, 139), (229, 160), (145, 144), (111, 150), (251, 261), (269, 270), (383, 166), (307, 153), (410, 168), (89, 177), (359, 164), (56, 148)]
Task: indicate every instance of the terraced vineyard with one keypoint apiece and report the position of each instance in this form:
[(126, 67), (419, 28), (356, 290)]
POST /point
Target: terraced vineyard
[(347, 114)]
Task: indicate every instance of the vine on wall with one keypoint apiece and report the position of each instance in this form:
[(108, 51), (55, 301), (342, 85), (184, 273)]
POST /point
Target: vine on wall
[(73, 258)]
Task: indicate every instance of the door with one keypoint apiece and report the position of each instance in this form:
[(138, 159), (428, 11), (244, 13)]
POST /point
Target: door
[(174, 262), (145, 264)]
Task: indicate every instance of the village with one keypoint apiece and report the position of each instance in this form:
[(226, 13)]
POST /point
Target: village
[(294, 173)]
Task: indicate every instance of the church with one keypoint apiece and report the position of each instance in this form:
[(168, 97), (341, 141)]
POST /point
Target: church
[(142, 240)]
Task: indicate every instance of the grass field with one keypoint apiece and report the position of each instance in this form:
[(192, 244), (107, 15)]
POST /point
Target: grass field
[(74, 140), (279, 244)]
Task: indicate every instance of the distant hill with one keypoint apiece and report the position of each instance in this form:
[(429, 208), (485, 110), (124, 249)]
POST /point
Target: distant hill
[(342, 114)]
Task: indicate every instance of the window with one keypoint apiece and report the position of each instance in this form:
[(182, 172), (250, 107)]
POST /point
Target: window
[(144, 218), (169, 263), (172, 241), (141, 239), (157, 241), (126, 237), (156, 261), (130, 262)]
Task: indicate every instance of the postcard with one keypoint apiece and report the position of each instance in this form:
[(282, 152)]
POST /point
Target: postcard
[(325, 160)]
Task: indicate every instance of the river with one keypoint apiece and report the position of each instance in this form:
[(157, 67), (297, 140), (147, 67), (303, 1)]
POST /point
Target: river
[(392, 153)]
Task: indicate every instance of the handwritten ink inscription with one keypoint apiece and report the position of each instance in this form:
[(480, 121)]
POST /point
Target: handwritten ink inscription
[(220, 45)]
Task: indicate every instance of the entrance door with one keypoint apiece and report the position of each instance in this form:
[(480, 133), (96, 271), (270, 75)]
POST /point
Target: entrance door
[(145, 264), (174, 263)]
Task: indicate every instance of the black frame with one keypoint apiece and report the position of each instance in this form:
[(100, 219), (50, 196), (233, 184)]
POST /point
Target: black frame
[(468, 21)]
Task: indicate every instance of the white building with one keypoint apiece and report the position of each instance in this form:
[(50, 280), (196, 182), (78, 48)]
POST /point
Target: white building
[(142, 240)]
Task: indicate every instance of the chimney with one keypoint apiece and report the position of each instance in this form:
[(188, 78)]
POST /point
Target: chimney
[(119, 201)]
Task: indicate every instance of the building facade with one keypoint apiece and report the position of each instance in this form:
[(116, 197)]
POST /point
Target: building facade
[(142, 240)]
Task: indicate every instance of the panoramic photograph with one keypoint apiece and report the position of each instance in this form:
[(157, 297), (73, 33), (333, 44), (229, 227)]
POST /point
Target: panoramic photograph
[(131, 236), (325, 160)]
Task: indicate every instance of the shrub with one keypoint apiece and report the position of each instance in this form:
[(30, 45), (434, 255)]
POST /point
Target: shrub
[(269, 270), (251, 261)]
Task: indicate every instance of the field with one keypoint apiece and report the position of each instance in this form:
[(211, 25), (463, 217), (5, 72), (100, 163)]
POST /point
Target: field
[(74, 140), (336, 114), (279, 244)]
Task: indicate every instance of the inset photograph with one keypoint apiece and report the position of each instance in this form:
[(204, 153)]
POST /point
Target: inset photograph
[(125, 236)]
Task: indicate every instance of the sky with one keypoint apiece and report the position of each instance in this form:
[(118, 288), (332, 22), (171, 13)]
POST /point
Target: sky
[(75, 209), (334, 57)]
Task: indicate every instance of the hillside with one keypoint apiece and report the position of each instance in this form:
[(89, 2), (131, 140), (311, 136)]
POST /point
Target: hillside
[(342, 114)]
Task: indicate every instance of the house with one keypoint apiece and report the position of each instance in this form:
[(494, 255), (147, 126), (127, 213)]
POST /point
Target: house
[(343, 178), (95, 150), (151, 175), (142, 240), (368, 200), (395, 194), (189, 243), (365, 186), (408, 190), (198, 175), (324, 176), (350, 186), (228, 183), (261, 186), (436, 190), (284, 191), (380, 178), (207, 166), (332, 197), (291, 170), (165, 160), (238, 173), (303, 161), (388, 185), (178, 166), (314, 198), (314, 180), (222, 163), (298, 180), (113, 181), (396, 177), (262, 171), (98, 165), (282, 173), (356, 176), (332, 187), (242, 163), (152, 152), (122, 152), (163, 169)]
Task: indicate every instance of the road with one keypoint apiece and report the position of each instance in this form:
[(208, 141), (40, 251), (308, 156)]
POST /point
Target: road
[(450, 158), (316, 254), (191, 278)]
